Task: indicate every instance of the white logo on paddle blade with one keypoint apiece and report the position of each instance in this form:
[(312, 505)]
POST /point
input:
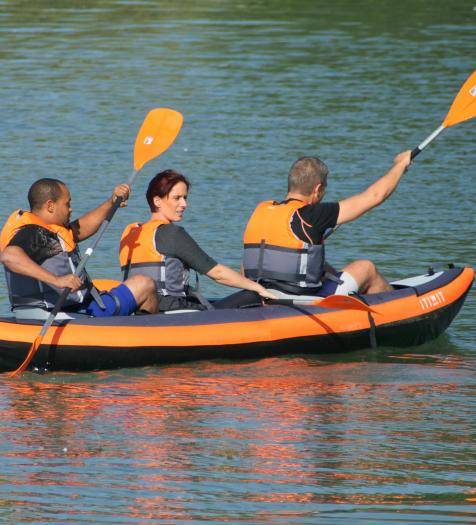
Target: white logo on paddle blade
[(148, 140), (472, 91)]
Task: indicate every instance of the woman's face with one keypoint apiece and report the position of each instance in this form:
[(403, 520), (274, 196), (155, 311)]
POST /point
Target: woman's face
[(172, 206)]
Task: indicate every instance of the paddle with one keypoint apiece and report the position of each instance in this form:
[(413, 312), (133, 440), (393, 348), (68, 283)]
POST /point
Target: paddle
[(463, 108), (157, 133), (342, 302)]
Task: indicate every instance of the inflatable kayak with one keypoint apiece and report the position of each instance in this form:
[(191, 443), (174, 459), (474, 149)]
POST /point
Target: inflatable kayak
[(418, 309)]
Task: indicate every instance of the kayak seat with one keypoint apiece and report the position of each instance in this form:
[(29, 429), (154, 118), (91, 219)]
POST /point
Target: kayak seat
[(39, 314), (184, 311), (301, 298)]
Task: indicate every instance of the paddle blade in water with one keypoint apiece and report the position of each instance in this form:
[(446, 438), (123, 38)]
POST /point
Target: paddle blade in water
[(464, 105), (158, 131), (33, 349)]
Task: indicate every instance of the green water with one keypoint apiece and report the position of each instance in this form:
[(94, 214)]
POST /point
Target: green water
[(382, 436)]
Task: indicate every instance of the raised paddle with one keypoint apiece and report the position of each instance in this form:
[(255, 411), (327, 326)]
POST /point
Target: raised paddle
[(157, 133), (463, 108), (342, 302)]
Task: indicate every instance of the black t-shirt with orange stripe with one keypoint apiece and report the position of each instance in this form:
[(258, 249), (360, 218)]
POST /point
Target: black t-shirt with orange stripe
[(316, 219)]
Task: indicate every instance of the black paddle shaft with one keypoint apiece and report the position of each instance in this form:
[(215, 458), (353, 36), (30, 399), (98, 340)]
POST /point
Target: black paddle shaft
[(415, 152), (87, 254), (427, 141)]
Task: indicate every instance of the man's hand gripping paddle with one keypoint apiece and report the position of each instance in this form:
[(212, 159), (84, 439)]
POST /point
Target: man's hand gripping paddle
[(157, 133)]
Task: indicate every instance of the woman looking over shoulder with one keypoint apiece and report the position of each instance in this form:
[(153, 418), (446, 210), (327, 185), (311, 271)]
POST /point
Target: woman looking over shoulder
[(166, 252)]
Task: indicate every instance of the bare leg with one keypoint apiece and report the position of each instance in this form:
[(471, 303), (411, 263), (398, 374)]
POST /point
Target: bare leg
[(144, 291), (367, 277)]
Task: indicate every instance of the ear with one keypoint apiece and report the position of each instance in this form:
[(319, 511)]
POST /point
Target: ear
[(316, 194), (50, 206), (157, 201), (317, 189)]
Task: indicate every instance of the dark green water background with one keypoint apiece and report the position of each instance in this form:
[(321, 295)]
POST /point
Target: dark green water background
[(382, 436)]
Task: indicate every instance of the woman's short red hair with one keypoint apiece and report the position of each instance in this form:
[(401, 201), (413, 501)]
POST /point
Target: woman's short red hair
[(161, 185)]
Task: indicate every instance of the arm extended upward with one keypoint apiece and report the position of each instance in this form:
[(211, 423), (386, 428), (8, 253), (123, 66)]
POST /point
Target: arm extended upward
[(89, 223), (355, 206)]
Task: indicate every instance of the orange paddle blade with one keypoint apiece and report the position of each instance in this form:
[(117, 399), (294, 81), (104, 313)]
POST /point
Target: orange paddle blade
[(33, 349), (159, 129), (464, 105), (345, 302)]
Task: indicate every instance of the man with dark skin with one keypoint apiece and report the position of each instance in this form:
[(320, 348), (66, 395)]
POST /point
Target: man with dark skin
[(39, 248)]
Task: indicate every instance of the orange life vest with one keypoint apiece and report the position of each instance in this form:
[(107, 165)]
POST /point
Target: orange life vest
[(138, 255), (26, 291), (20, 218), (273, 253)]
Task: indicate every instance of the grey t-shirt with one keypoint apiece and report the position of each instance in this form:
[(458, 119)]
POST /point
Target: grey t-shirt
[(174, 241)]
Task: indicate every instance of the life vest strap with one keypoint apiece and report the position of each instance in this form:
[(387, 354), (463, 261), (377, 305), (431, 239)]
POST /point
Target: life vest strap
[(193, 291), (372, 329), (256, 275), (272, 247)]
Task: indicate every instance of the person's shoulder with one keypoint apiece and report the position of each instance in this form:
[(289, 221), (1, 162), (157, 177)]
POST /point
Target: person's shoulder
[(180, 232), (170, 232), (32, 237), (170, 228), (320, 208), (31, 227), (318, 217), (321, 205), (29, 230)]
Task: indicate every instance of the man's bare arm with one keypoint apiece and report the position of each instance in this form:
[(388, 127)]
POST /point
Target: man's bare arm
[(355, 206), (16, 260), (89, 223)]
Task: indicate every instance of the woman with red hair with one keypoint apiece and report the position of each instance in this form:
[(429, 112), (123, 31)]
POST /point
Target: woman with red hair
[(166, 252)]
